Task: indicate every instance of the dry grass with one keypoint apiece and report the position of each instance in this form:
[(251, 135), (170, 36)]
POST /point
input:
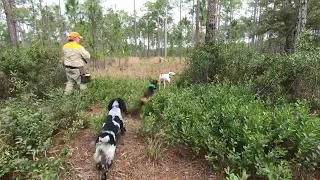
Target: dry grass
[(155, 148), (134, 67)]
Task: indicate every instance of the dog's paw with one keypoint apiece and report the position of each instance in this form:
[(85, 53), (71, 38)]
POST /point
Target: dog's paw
[(98, 165), (123, 131), (104, 176)]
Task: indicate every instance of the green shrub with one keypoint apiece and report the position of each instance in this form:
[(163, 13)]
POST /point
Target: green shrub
[(104, 89), (35, 70), (236, 130), (294, 76), (26, 130), (27, 123), (220, 61)]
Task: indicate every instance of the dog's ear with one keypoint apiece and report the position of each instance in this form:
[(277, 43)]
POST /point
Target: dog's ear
[(110, 104), (172, 73), (155, 82), (122, 105)]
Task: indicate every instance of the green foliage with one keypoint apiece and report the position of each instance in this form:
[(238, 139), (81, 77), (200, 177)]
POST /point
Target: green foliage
[(35, 69), (27, 123), (220, 61), (233, 29), (236, 130), (67, 108), (27, 128), (104, 89), (233, 176), (155, 147), (97, 120), (72, 11), (278, 19), (278, 76)]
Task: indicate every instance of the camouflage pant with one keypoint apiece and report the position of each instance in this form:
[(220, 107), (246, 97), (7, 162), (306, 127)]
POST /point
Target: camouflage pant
[(73, 76)]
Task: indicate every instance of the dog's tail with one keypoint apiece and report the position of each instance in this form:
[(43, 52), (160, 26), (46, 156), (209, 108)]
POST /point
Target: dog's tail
[(143, 100), (105, 139), (97, 157)]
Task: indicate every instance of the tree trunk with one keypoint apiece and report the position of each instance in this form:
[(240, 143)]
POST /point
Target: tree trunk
[(211, 21), (148, 52), (302, 18), (158, 43), (135, 28), (230, 21), (260, 38), (289, 48), (197, 22), (34, 16), (24, 40), (11, 22), (42, 22), (166, 33), (254, 28), (63, 29), (218, 17), (144, 46), (180, 40), (48, 27), (94, 28), (193, 35)]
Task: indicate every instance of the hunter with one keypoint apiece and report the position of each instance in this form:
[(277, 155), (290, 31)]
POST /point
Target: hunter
[(75, 57)]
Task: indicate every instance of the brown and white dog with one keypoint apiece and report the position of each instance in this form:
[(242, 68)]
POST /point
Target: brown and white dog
[(165, 78)]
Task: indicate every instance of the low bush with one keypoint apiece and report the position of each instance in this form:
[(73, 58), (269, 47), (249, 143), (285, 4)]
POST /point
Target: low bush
[(236, 130), (292, 77), (26, 130), (104, 89), (28, 123), (221, 61), (35, 70)]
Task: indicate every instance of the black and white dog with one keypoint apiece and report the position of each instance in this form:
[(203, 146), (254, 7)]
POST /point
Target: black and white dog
[(106, 141)]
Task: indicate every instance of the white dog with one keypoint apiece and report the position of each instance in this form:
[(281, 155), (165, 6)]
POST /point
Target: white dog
[(165, 78)]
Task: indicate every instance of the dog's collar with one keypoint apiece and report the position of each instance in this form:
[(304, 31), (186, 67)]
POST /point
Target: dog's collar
[(116, 106), (152, 85)]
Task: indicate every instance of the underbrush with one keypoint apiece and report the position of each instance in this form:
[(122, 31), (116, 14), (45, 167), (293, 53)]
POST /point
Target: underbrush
[(155, 147), (287, 76), (26, 130), (130, 90), (105, 89), (34, 70), (29, 121), (236, 130)]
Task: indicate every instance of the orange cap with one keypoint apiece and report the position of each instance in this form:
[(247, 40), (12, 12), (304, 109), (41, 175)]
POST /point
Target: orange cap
[(75, 35)]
